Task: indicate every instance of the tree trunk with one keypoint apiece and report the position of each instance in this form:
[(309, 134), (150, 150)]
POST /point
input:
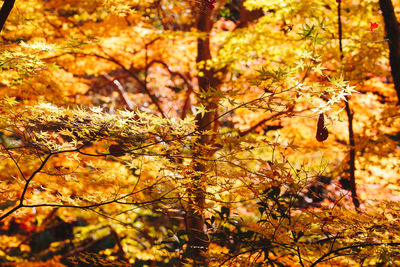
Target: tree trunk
[(352, 154), (393, 34), (198, 239), (5, 11)]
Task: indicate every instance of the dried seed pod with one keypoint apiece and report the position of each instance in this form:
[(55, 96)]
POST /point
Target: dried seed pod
[(322, 132), (116, 150)]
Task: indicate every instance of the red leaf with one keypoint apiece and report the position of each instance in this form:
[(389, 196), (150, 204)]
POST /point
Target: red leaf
[(373, 26), (210, 3)]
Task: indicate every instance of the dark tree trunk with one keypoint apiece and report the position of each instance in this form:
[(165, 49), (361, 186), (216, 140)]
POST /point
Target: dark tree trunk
[(195, 226), (393, 35), (352, 143), (5, 11), (352, 154)]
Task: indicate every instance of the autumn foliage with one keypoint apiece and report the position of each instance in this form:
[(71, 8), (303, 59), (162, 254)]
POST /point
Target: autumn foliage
[(199, 133)]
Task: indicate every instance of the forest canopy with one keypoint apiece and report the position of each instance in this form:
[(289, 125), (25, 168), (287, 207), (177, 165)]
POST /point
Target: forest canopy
[(199, 133)]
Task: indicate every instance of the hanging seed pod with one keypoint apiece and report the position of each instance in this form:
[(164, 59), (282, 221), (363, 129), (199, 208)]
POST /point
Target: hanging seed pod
[(116, 150), (322, 132)]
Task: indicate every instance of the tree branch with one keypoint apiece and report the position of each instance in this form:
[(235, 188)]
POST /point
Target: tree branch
[(252, 128), (173, 73), (108, 57), (185, 79), (321, 259), (120, 90), (153, 98)]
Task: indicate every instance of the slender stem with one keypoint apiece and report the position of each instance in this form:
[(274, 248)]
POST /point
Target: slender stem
[(299, 255), (352, 151), (339, 9), (21, 203), (8, 213), (321, 259)]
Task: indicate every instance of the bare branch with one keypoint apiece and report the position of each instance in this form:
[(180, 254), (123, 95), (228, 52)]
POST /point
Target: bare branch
[(120, 90), (252, 128)]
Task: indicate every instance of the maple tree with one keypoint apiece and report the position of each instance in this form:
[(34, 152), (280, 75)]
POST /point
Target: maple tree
[(220, 133)]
